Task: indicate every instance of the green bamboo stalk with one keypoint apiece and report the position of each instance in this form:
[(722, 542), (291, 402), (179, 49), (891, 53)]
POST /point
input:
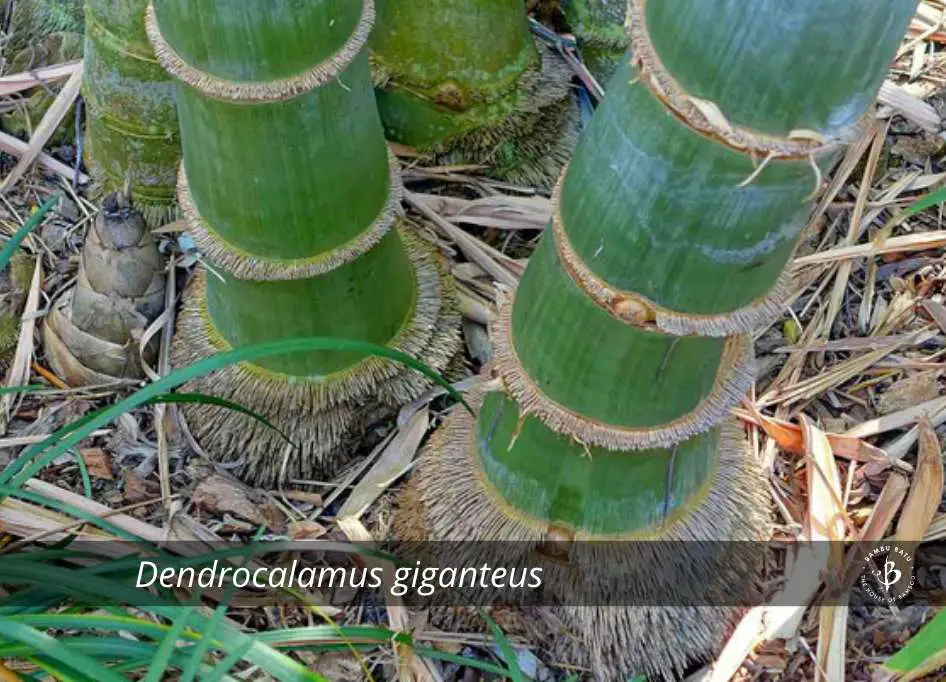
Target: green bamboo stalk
[(598, 26), (289, 190), (466, 82), (132, 134), (627, 342)]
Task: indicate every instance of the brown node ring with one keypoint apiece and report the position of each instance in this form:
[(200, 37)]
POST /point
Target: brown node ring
[(705, 117), (244, 265), (263, 91), (632, 308), (733, 381)]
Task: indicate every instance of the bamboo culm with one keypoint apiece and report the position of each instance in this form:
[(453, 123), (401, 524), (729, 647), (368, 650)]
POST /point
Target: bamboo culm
[(503, 102), (672, 229), (132, 137), (289, 190)]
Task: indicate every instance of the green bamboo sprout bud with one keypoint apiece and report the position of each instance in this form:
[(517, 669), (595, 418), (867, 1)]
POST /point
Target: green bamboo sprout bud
[(288, 188), (465, 81), (598, 26), (628, 341), (93, 332), (132, 133)]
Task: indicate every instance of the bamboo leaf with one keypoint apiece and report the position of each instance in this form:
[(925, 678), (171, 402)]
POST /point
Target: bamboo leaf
[(926, 492), (923, 654)]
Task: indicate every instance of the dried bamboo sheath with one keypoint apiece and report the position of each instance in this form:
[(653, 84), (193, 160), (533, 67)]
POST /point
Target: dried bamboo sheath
[(288, 186), (616, 355), (132, 133)]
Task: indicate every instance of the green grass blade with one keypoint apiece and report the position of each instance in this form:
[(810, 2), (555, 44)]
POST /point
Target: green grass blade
[(167, 647), (512, 661), (56, 650), (219, 671), (484, 666), (57, 672), (924, 653), (84, 474), (925, 202), (200, 651), (31, 388), (37, 456), (13, 243), (204, 399), (93, 589)]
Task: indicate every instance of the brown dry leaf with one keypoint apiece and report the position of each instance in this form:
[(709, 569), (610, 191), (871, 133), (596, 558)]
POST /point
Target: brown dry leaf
[(825, 522), (98, 463), (926, 492), (219, 493), (909, 392), (306, 530), (138, 489), (897, 420), (789, 438), (393, 463), (826, 517), (47, 126)]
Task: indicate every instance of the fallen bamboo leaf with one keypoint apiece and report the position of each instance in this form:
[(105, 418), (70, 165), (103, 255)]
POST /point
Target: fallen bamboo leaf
[(912, 242), (899, 419), (98, 463), (826, 515), (222, 493), (16, 147), (789, 438), (393, 463), (926, 493), (832, 641), (912, 108), (47, 126), (900, 447), (875, 528)]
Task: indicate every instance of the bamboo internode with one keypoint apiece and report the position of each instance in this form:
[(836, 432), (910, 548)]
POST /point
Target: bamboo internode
[(302, 245)]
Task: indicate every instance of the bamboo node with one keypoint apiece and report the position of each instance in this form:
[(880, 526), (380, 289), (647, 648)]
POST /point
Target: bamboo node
[(733, 381), (707, 118), (244, 265), (263, 91), (632, 308)]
